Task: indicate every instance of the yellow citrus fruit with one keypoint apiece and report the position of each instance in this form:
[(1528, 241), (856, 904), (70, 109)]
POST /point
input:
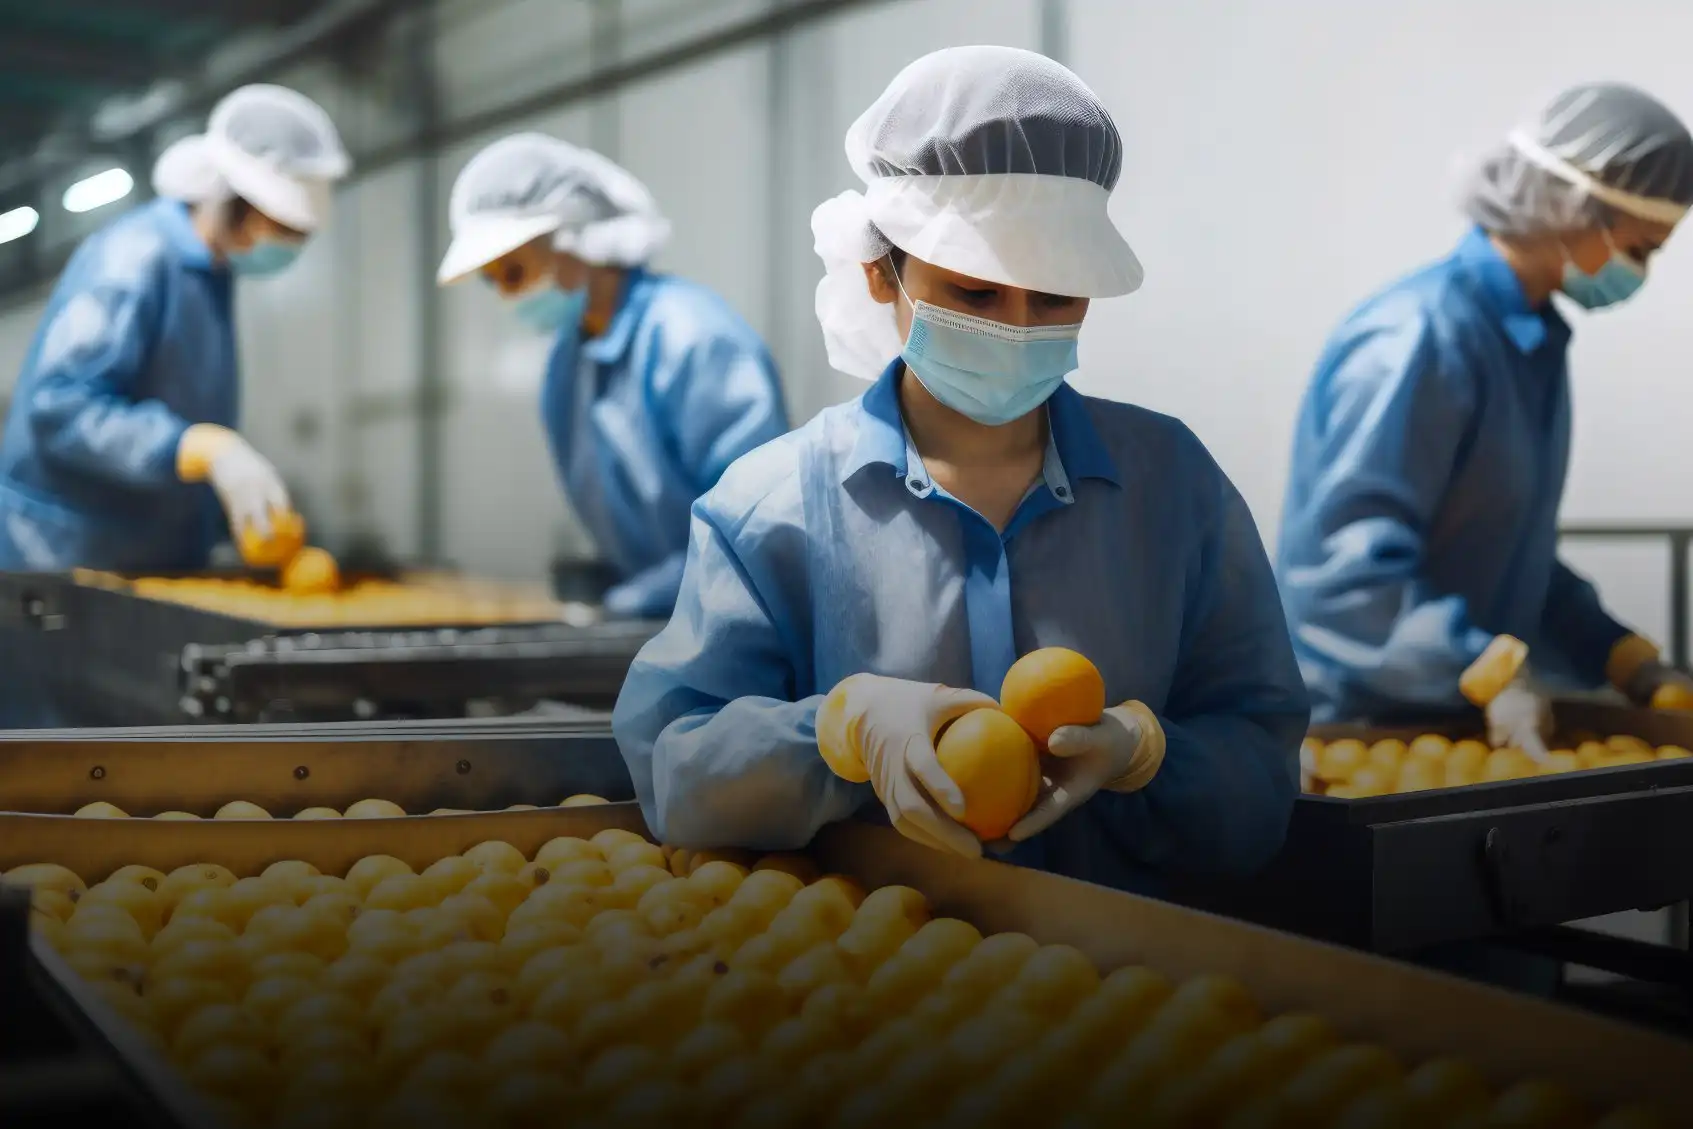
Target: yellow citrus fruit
[(310, 572), (317, 813), (1051, 688), (241, 809), (581, 800), (1340, 759), (375, 809), (1672, 697), (100, 809), (287, 537), (993, 760)]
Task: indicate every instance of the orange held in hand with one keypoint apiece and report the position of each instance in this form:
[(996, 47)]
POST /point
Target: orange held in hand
[(1672, 696), (287, 535), (994, 763), (1050, 688)]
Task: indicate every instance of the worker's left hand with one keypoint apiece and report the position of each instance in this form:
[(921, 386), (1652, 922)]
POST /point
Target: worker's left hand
[(1661, 686), (1121, 752)]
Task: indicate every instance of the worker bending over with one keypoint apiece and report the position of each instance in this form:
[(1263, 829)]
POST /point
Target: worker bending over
[(120, 442), (898, 553), (654, 385), (1418, 560)]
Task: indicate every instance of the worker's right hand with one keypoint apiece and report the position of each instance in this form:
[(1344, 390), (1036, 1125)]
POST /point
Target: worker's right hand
[(246, 483), (882, 730), (1519, 717)]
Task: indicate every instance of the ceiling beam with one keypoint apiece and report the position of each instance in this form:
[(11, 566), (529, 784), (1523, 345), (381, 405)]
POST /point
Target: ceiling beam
[(77, 60), (231, 13)]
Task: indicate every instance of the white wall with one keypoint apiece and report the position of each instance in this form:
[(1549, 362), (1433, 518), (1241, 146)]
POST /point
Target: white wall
[(1283, 160)]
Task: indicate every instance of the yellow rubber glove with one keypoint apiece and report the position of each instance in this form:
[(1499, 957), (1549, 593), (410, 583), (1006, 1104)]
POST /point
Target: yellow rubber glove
[(881, 730), (1498, 682), (262, 519), (1121, 752), (1636, 668)]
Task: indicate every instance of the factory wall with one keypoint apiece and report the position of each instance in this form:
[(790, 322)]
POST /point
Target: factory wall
[(1283, 160)]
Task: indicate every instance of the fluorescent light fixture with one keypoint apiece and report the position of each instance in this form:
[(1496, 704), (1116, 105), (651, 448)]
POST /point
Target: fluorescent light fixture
[(98, 190), (18, 223)]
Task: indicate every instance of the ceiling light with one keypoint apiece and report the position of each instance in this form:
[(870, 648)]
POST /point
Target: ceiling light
[(98, 190), (18, 223)]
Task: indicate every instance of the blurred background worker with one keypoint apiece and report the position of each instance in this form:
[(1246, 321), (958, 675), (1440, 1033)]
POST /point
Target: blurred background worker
[(1419, 533), (120, 444), (861, 582), (654, 384)]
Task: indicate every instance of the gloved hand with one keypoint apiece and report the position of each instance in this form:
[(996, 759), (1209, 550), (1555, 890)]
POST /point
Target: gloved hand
[(1519, 717), (246, 483), (1636, 667), (1121, 752), (882, 730)]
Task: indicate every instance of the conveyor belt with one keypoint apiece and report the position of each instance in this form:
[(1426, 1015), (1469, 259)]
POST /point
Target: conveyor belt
[(109, 657), (1401, 872)]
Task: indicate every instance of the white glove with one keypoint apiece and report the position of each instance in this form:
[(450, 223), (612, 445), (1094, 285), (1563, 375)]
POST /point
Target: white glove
[(248, 486), (882, 729), (1519, 717), (1121, 752)]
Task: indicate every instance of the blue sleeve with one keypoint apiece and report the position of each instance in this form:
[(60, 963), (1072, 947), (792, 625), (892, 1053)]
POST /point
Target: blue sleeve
[(720, 752), (722, 400), (81, 405), (1577, 625), (650, 593), (1393, 426), (1233, 720)]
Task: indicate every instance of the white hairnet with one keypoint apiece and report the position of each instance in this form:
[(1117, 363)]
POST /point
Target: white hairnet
[(271, 146), (989, 161), (527, 185), (1595, 149)]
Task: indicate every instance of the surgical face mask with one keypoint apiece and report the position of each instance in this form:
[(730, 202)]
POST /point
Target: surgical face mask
[(547, 309), (264, 258), (987, 370), (1614, 282)]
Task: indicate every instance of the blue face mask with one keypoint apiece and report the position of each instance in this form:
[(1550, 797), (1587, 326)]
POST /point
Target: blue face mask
[(547, 309), (1614, 282), (264, 258), (987, 370)]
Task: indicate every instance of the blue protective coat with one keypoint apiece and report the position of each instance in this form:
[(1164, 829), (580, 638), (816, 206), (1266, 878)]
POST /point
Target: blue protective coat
[(137, 343), (646, 417), (1421, 512), (830, 552)]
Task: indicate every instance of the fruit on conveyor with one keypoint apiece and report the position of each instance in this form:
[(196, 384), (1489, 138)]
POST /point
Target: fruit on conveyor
[(363, 809), (311, 572), (1348, 768), (312, 593), (610, 981)]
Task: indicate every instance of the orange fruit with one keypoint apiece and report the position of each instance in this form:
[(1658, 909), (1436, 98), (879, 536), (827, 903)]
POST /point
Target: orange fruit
[(1050, 688), (1672, 697), (994, 763), (312, 571), (287, 535)]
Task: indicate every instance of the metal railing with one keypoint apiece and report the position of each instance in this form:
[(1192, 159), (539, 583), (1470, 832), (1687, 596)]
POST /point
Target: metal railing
[(1680, 539)]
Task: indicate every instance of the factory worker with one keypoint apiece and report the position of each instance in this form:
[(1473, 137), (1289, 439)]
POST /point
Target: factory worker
[(1418, 558), (120, 444), (862, 581), (654, 384)]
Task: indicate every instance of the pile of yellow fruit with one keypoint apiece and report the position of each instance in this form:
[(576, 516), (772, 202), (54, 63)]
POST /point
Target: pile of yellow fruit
[(360, 603), (609, 981), (1353, 769), (363, 809)]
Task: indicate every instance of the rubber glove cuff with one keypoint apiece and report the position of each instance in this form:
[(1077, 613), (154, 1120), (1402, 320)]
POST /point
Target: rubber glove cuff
[(1148, 756), (1500, 666), (200, 447)]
